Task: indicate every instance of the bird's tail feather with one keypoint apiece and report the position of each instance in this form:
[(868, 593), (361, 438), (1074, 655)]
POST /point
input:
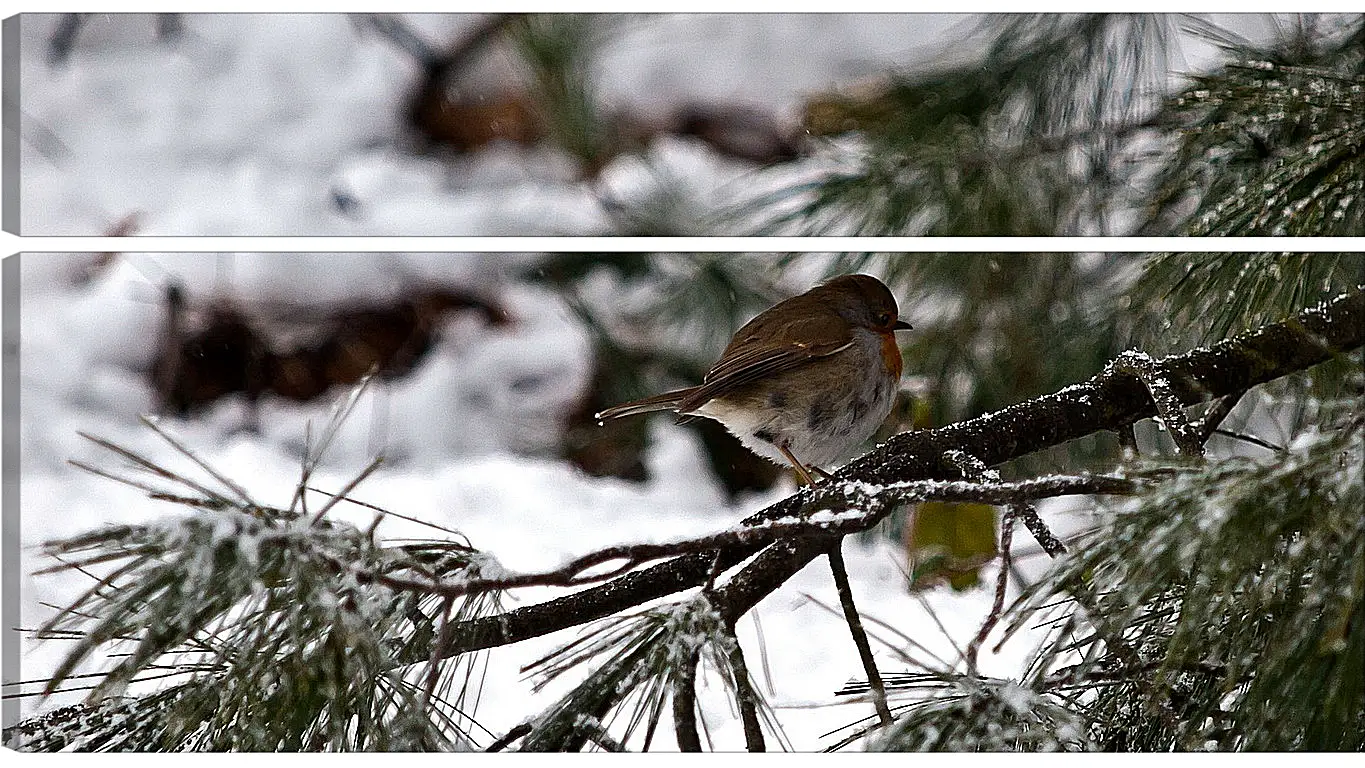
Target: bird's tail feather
[(668, 401)]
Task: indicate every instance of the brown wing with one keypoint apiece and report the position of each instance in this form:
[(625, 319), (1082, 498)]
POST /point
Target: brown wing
[(765, 346)]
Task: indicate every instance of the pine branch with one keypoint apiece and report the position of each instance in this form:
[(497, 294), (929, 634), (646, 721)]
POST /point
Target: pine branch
[(745, 695), (855, 626), (685, 705), (832, 509), (1001, 584), (1108, 401), (1217, 608), (1168, 408), (806, 524)]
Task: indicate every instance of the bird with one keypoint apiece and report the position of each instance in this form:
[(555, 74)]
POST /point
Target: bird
[(805, 381)]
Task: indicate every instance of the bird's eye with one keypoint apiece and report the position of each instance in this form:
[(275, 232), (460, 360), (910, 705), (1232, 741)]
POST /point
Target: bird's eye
[(884, 318)]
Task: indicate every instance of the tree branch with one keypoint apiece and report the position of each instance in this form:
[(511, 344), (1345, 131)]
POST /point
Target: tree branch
[(1168, 406), (685, 704), (855, 627), (745, 695), (1001, 584), (838, 508), (1108, 401)]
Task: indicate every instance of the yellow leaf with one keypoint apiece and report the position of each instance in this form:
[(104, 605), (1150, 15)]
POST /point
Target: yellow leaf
[(948, 543)]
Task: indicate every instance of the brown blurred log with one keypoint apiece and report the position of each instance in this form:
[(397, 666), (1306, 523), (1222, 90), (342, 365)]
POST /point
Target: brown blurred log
[(231, 347)]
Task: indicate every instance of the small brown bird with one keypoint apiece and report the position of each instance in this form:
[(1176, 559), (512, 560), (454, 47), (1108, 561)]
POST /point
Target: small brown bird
[(806, 381)]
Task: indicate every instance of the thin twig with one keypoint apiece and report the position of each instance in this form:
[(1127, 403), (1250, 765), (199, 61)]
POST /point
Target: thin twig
[(313, 454), (1254, 440), (863, 506), (1001, 584), (974, 469), (341, 494), (516, 733), (389, 512), (1046, 539), (855, 627), (1153, 375), (1208, 424), (685, 704), (745, 696), (192, 456)]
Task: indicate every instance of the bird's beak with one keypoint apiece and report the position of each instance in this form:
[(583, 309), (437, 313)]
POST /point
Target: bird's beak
[(901, 325)]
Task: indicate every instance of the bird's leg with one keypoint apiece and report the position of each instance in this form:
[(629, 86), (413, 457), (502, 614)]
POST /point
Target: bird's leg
[(798, 466), (822, 473)]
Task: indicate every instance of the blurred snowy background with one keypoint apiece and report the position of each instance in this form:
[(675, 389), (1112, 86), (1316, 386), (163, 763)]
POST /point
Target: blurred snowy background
[(278, 124), (399, 124)]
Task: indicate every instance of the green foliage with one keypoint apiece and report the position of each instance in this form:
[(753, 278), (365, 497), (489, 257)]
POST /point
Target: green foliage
[(266, 626), (1192, 299), (1020, 143), (1202, 298), (984, 716), (559, 50), (1217, 610), (285, 643), (1067, 126), (644, 658), (1271, 143), (1222, 609)]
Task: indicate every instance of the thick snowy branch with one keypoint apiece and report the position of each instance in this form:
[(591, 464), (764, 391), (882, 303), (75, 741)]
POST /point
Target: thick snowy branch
[(1111, 400)]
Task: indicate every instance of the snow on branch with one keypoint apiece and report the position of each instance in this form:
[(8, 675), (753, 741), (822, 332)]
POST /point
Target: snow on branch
[(1112, 400), (834, 509)]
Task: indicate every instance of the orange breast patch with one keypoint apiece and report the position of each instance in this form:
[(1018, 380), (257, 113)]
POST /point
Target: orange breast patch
[(891, 355)]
